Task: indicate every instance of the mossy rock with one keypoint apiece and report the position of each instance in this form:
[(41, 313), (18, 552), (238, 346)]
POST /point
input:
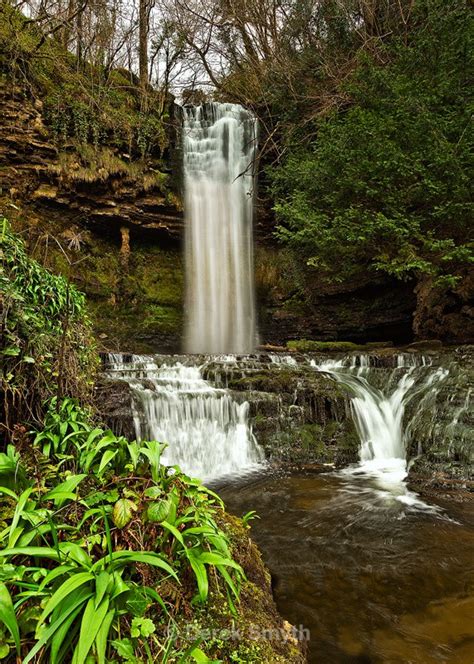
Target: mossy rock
[(228, 637), (271, 381), (310, 346)]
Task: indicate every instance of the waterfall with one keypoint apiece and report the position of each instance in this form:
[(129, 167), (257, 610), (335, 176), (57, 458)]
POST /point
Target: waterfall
[(219, 151), (379, 411), (206, 430)]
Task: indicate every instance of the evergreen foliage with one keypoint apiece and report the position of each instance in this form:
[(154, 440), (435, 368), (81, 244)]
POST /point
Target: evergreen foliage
[(385, 181)]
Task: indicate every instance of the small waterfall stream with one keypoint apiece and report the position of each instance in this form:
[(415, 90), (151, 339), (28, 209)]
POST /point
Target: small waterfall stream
[(379, 413), (206, 430), (219, 151)]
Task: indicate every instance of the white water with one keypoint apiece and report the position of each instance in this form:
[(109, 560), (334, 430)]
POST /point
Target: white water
[(206, 431), (379, 417), (219, 152)]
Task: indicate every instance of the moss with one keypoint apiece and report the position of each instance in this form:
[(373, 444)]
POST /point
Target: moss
[(278, 276), (83, 102), (167, 319), (229, 637), (158, 276), (272, 381), (173, 199), (125, 304), (308, 346)]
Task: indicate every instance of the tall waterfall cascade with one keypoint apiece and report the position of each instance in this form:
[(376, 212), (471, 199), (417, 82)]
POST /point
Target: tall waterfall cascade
[(206, 431), (379, 410), (219, 146)]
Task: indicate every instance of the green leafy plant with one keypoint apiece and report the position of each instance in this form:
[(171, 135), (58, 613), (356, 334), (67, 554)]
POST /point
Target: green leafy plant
[(65, 560), (44, 323), (85, 603), (12, 474)]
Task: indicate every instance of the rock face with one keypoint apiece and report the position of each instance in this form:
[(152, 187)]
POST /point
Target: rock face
[(442, 434), (101, 190), (297, 414), (114, 402), (296, 304), (446, 313)]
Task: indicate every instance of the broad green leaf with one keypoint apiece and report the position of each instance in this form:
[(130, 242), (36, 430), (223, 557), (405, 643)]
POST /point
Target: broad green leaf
[(11, 351), (200, 573), (95, 433), (103, 637), (174, 531), (157, 512), (121, 558), (142, 627), (90, 626), (31, 551), (57, 642), (64, 590), (217, 559), (8, 492), (7, 615), (16, 517), (74, 552), (106, 459), (66, 487), (124, 648), (119, 586), (101, 584), (48, 633), (153, 492), (57, 571), (229, 581), (200, 657), (197, 654)]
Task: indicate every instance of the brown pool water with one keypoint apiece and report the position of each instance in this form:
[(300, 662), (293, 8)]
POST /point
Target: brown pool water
[(373, 577)]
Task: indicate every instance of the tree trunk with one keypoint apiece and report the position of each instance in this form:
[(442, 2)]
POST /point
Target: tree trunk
[(79, 37), (143, 28)]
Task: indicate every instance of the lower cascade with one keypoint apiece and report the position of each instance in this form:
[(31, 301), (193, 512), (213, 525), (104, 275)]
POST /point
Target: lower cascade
[(206, 431), (379, 412)]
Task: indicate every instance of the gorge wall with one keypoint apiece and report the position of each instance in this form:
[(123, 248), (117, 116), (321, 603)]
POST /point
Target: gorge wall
[(119, 222)]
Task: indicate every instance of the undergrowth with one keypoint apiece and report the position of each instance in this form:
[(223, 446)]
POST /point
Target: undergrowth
[(89, 103), (103, 547), (47, 346)]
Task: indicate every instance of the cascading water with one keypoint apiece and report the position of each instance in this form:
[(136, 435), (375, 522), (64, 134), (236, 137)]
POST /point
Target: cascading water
[(219, 153), (206, 431), (379, 412)]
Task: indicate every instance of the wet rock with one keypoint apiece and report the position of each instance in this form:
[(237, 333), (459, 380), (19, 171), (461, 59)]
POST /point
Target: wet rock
[(113, 400), (446, 313), (295, 303), (297, 414), (425, 344), (441, 426)]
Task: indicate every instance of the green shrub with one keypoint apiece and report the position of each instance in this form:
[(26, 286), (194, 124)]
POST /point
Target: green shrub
[(385, 184), (48, 346)]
